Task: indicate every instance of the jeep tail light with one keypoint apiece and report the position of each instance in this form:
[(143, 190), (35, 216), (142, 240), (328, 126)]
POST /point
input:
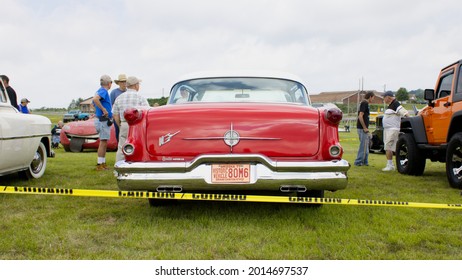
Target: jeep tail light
[(133, 115), (334, 115)]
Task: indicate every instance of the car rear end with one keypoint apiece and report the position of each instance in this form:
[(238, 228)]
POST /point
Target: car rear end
[(245, 147)]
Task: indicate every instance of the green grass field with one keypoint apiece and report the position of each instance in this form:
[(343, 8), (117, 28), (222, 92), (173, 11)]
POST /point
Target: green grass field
[(55, 227)]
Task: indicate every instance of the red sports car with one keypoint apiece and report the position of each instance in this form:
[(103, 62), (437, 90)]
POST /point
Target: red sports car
[(249, 134), (81, 135)]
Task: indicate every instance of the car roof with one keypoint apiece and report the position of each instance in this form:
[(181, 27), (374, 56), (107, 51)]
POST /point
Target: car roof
[(241, 73), (457, 62)]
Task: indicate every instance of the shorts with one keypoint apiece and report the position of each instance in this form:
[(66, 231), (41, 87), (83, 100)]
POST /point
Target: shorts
[(390, 137), (103, 129)]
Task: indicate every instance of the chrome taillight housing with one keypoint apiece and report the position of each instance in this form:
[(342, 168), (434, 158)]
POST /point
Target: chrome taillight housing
[(335, 151), (128, 149)]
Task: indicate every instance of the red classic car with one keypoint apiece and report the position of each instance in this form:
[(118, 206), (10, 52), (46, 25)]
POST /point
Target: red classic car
[(81, 135), (249, 134)]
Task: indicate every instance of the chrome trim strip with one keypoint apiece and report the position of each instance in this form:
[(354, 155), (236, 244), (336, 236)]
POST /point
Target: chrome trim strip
[(25, 137), (300, 166), (90, 136), (240, 138)]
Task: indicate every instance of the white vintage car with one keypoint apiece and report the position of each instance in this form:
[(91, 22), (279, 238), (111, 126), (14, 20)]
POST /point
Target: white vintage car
[(25, 140)]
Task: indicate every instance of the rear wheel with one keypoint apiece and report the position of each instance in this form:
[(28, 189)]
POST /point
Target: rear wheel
[(454, 161), (409, 159)]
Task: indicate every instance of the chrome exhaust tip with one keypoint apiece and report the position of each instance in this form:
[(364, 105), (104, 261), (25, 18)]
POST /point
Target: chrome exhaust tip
[(292, 188), (169, 188)]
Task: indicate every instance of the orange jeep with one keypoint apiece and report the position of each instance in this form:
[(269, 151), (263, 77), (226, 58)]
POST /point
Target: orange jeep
[(436, 132)]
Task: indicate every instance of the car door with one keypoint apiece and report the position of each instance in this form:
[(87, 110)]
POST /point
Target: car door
[(3, 101), (442, 111), (17, 141), (13, 147)]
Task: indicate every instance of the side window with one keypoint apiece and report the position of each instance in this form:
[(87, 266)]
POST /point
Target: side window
[(2, 93), (444, 88), (459, 82)]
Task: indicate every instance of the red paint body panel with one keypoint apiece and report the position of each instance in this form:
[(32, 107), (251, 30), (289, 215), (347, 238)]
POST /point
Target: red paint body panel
[(278, 131), (272, 130)]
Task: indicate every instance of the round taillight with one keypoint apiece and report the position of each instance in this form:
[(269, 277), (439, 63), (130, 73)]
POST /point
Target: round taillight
[(334, 115), (132, 115), (128, 149), (335, 151)]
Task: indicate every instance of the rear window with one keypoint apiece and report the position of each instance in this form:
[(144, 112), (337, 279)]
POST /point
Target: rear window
[(239, 90)]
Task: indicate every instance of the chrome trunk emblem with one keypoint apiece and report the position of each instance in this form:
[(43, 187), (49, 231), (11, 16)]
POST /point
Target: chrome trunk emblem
[(166, 138), (231, 137)]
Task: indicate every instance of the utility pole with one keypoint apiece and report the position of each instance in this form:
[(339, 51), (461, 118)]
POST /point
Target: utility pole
[(361, 88), (384, 90)]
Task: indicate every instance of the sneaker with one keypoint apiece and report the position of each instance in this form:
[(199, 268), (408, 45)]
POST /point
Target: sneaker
[(101, 167), (389, 168)]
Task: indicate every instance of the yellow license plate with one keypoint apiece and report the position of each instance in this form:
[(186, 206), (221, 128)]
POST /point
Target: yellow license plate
[(230, 173)]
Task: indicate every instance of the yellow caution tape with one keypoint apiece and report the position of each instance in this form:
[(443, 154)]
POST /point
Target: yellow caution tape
[(221, 197)]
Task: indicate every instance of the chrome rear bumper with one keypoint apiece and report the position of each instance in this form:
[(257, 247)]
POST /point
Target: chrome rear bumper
[(266, 174)]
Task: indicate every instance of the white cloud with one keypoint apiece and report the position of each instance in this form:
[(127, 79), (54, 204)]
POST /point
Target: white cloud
[(55, 51)]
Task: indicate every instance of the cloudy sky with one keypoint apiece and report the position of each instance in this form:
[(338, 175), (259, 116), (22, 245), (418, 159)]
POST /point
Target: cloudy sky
[(56, 50)]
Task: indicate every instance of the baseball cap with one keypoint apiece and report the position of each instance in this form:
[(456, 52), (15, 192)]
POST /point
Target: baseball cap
[(25, 100), (131, 81), (106, 79), (389, 93)]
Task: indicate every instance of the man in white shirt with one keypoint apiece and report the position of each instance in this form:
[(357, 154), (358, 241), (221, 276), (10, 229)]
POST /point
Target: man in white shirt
[(128, 99), (391, 127)]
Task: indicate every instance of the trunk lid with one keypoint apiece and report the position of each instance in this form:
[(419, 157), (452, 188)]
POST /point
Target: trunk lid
[(274, 130)]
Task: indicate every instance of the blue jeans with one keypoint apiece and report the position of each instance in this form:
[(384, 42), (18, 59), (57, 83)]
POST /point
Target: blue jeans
[(363, 152)]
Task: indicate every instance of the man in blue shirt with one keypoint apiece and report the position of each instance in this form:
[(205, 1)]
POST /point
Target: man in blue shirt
[(23, 106), (103, 120), (122, 83)]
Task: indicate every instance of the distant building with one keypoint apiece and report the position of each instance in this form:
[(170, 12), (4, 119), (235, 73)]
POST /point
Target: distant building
[(86, 105), (345, 97)]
